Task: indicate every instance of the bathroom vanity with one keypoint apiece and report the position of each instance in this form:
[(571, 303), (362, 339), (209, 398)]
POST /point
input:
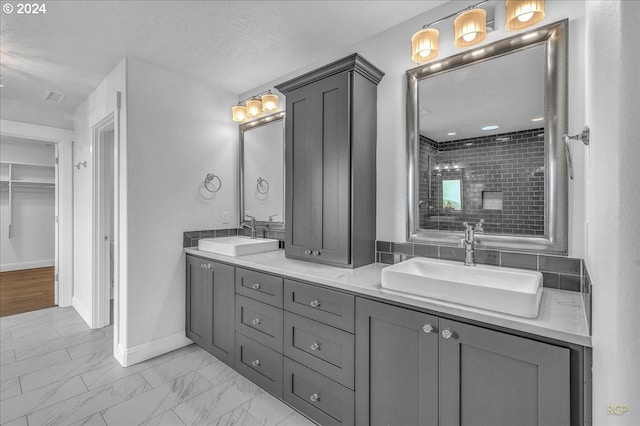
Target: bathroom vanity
[(341, 349)]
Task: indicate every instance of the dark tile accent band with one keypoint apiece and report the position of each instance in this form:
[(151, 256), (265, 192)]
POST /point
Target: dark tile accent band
[(191, 238)]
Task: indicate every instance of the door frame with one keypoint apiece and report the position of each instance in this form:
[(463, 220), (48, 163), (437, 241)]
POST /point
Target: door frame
[(101, 295)]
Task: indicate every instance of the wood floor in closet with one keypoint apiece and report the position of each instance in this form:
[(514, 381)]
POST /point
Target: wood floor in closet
[(26, 290)]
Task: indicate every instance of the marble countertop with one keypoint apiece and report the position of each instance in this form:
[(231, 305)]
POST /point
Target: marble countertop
[(561, 316)]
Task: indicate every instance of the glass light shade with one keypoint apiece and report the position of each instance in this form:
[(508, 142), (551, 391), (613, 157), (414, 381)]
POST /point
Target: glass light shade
[(470, 27), (239, 113), (523, 13), (425, 45), (254, 107), (269, 103)]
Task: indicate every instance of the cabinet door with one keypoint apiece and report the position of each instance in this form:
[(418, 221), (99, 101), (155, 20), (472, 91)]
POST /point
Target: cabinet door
[(222, 311), (332, 170), (397, 368), (492, 378), (299, 177), (199, 282)]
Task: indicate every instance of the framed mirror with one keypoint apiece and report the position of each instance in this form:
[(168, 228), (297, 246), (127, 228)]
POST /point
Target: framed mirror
[(262, 171), (484, 135)]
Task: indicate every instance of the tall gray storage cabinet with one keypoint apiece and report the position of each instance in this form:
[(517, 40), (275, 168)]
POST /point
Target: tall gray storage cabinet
[(330, 135)]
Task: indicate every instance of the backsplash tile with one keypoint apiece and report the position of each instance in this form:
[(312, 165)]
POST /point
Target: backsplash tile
[(558, 272)]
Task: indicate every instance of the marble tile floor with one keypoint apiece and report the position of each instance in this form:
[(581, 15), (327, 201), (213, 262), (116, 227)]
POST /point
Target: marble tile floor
[(54, 370)]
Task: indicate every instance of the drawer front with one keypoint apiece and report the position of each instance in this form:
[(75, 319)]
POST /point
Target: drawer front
[(322, 348), (261, 365), (322, 399), (263, 287), (321, 304), (260, 322)]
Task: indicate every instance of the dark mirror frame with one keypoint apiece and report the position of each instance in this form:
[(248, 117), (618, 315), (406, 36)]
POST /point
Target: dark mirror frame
[(555, 240), (277, 225)]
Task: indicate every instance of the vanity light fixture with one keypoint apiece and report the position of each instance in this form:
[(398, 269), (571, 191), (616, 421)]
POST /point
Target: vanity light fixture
[(425, 44), (470, 27), (451, 134), (239, 113), (254, 106), (523, 13), (537, 119), (269, 102)]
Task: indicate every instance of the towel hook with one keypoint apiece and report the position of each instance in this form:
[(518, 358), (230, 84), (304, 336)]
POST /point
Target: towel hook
[(82, 163), (210, 178), (584, 137)]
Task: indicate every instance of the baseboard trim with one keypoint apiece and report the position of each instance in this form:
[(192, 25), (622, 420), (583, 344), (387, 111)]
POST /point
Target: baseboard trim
[(81, 310), (128, 357), (31, 264)]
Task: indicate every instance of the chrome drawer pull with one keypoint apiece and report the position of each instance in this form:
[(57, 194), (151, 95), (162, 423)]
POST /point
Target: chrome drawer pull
[(256, 363), (315, 346), (205, 265), (315, 253), (447, 334), (315, 304), (255, 286), (314, 397), (256, 321)]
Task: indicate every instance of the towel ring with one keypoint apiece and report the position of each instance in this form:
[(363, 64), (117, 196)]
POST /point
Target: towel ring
[(262, 186), (210, 178)]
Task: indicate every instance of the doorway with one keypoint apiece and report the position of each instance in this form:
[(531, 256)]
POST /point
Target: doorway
[(29, 228)]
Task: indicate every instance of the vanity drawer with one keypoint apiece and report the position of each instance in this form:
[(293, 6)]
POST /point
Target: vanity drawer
[(321, 304), (261, 365), (322, 399), (256, 285), (260, 322), (323, 348)]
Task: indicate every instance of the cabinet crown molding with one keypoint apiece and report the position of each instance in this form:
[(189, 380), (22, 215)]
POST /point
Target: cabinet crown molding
[(353, 62)]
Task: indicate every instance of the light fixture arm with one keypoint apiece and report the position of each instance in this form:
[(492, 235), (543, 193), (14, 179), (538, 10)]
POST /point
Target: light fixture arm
[(477, 5), (255, 96)]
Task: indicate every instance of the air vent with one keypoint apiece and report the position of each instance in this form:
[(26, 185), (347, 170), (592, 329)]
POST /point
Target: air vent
[(52, 96)]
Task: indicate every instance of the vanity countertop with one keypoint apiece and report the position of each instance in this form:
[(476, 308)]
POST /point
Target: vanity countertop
[(561, 316)]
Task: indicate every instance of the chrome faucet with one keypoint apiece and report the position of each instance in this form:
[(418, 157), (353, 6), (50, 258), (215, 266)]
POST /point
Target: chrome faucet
[(251, 225), (468, 242)]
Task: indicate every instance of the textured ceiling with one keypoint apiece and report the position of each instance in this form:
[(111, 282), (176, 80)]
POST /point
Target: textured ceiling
[(230, 45)]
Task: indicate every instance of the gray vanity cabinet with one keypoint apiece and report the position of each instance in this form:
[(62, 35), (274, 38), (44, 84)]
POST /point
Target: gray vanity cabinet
[(493, 378), (397, 368), (210, 307), (330, 138), (419, 369)]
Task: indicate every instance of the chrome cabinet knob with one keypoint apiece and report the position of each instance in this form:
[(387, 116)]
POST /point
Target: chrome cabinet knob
[(256, 321), (315, 346), (315, 253), (307, 252), (427, 328), (314, 397), (256, 286), (314, 303), (447, 334), (205, 265), (256, 363)]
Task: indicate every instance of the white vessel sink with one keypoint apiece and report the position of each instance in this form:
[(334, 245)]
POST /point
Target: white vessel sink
[(511, 291), (237, 246)]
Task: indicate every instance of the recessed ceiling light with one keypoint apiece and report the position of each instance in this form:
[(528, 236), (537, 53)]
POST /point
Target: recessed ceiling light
[(52, 96), (451, 134), (491, 127), (537, 119)]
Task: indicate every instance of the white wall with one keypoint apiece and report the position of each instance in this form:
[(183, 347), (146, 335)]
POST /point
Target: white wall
[(100, 104), (32, 244), (390, 51), (63, 138), (178, 131), (613, 253)]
